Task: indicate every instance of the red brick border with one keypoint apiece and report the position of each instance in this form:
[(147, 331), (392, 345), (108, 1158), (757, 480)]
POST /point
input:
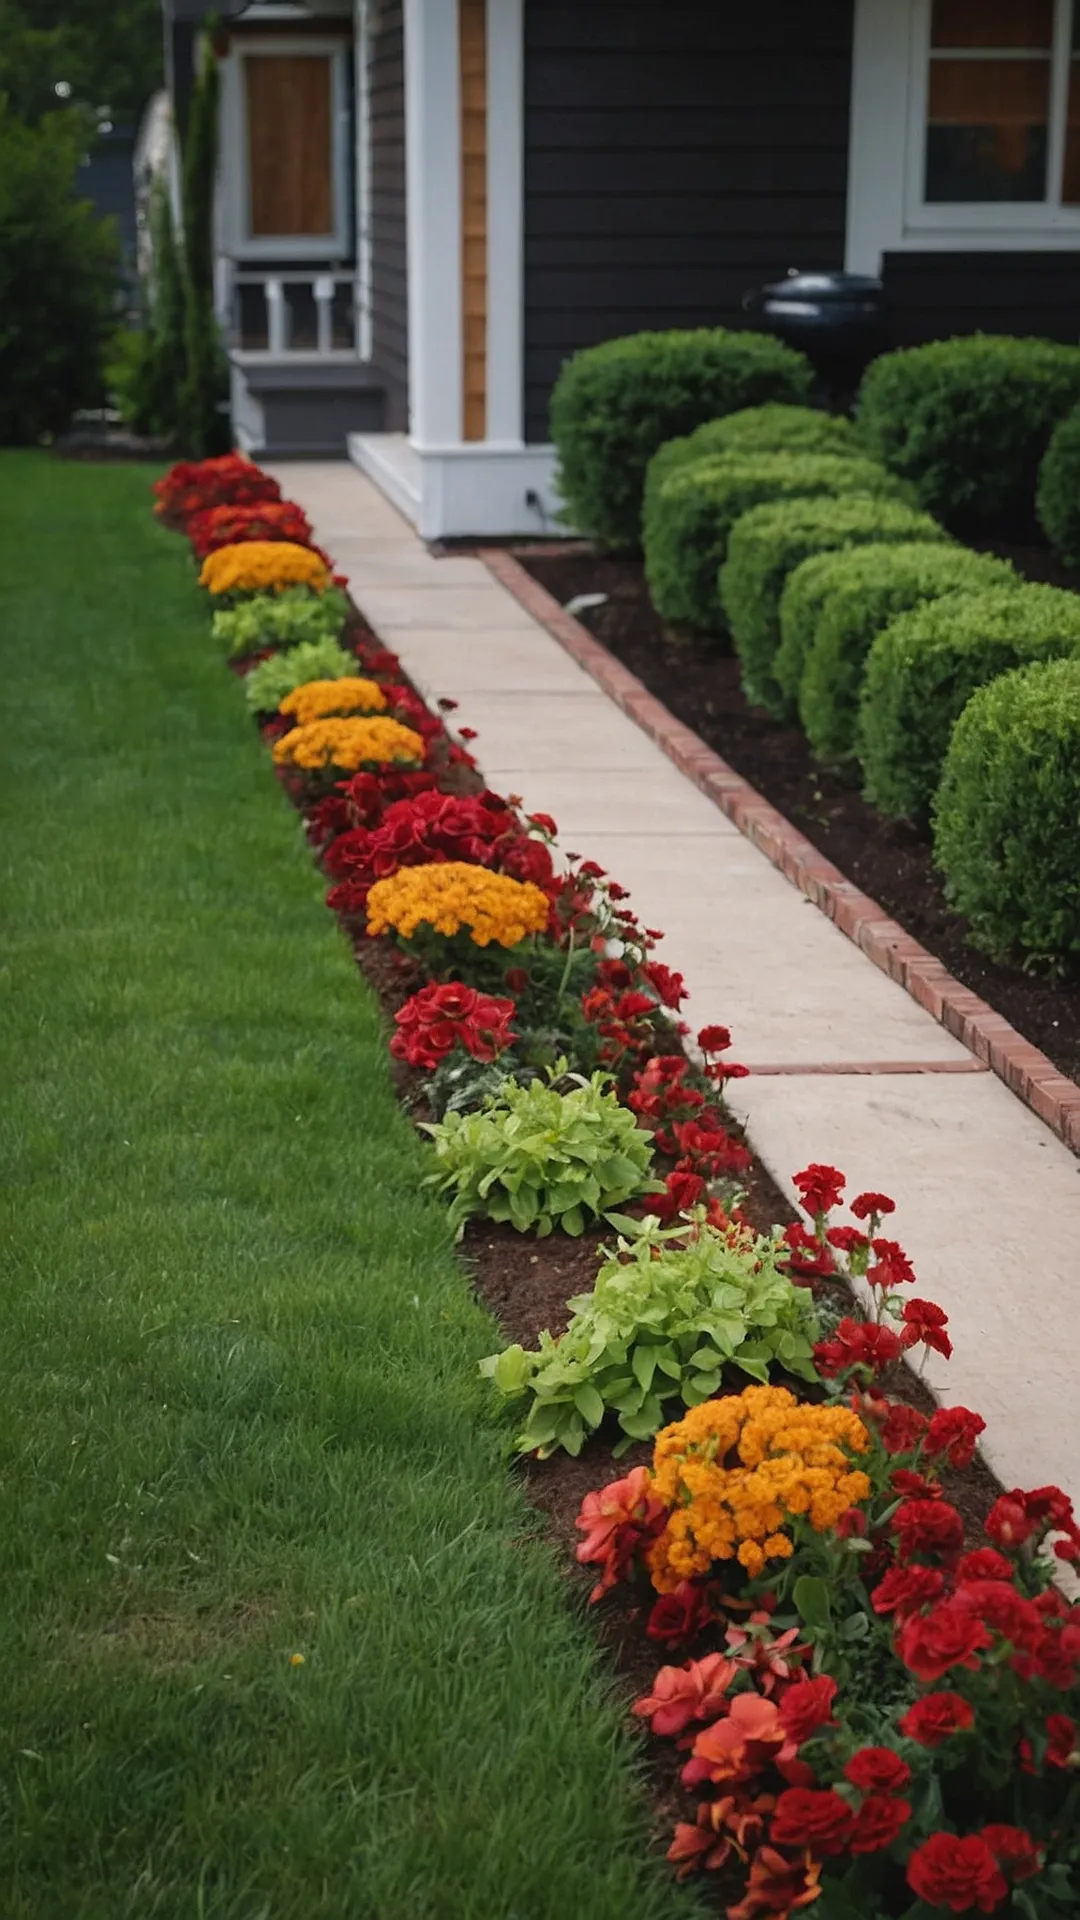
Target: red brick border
[(986, 1034)]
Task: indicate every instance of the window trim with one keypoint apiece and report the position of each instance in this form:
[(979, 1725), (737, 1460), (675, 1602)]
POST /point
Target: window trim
[(886, 211), (240, 242)]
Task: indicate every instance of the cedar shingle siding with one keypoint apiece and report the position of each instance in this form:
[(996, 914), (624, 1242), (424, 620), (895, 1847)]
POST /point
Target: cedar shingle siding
[(677, 154), (389, 296)]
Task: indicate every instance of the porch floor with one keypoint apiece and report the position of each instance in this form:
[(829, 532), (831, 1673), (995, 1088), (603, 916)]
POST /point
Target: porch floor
[(851, 1070)]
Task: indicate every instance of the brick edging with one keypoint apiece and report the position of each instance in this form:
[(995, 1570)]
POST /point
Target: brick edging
[(990, 1037)]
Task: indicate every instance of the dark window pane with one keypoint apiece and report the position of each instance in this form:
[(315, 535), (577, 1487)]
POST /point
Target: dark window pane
[(987, 132), (1070, 182), (993, 23), (301, 321), (251, 306), (343, 317)]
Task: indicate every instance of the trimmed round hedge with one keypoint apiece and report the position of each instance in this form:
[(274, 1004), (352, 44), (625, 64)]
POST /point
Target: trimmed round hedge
[(1007, 832), (1058, 498), (833, 609), (615, 404), (689, 517), (968, 420), (923, 669), (766, 546), (770, 429)]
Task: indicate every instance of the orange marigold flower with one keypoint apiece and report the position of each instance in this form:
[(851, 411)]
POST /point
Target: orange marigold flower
[(318, 698), (349, 744), (261, 566), (453, 896)]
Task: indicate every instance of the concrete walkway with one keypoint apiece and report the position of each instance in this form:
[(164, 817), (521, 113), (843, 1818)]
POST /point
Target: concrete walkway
[(988, 1200)]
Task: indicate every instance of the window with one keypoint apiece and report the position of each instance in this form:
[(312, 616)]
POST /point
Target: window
[(287, 149), (994, 124)]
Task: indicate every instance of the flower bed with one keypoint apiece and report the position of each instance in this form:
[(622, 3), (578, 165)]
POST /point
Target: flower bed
[(877, 1711)]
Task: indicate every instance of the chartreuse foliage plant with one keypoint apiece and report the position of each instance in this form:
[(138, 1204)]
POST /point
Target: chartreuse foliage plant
[(268, 683), (689, 518), (268, 1569), (669, 1311), (774, 428), (766, 546), (543, 1158), (836, 604), (1007, 832), (1058, 497), (968, 421), (923, 669), (613, 405), (280, 620)]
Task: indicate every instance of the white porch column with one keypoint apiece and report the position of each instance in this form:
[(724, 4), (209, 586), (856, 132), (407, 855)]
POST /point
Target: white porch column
[(433, 201), (505, 222)]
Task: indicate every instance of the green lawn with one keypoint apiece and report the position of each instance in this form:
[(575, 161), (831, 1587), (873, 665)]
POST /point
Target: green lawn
[(237, 1355)]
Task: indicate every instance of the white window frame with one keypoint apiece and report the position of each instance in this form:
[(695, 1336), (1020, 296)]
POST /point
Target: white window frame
[(240, 242), (887, 211)]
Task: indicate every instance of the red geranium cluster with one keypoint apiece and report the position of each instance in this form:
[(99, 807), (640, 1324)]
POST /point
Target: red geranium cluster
[(432, 827), (191, 485), (439, 1018), (234, 522), (687, 1130)]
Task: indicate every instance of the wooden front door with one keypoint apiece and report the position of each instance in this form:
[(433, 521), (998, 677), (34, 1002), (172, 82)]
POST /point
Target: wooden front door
[(290, 145)]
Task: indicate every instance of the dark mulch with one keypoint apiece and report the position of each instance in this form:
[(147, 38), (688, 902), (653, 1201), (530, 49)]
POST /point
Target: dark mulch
[(888, 859)]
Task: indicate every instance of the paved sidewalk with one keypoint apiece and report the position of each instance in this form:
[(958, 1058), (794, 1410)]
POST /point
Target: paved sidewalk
[(849, 1070)]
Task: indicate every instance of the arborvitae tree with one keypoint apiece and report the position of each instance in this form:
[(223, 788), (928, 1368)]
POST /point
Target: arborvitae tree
[(204, 427)]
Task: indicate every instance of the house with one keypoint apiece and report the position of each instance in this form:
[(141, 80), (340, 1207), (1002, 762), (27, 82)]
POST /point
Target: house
[(426, 205)]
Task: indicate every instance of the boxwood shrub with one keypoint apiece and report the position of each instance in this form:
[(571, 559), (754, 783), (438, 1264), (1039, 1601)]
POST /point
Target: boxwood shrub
[(769, 542), (968, 420), (923, 669), (689, 517), (775, 428), (615, 404), (1058, 497), (835, 605), (1008, 812)]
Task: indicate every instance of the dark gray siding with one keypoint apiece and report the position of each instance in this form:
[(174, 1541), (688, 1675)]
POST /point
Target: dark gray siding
[(931, 296), (389, 273), (676, 155)]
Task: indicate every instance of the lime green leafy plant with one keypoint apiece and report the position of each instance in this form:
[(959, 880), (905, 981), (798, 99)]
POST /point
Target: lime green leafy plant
[(280, 620), (268, 683), (541, 1158), (669, 1311)]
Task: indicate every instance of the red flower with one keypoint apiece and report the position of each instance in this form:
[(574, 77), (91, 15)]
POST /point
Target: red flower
[(928, 1526), (984, 1564), (905, 1590), (879, 1821), (697, 1691), (914, 1486), (806, 1706), (999, 1606), (730, 1825), (949, 1636), (819, 1188), (439, 1018), (734, 1749), (778, 1886), (810, 1258), (856, 1344), (616, 1522), (936, 1718), (1062, 1748), (1013, 1848), (865, 1205), (847, 1240), (682, 1614), (924, 1325), (959, 1874), (545, 823), (713, 1039), (902, 1429), (892, 1268), (1009, 1522), (669, 987), (954, 1432), (813, 1818), (877, 1770), (684, 1190)]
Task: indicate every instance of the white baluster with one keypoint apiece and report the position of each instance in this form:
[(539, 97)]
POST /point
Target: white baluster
[(323, 289), (275, 315)]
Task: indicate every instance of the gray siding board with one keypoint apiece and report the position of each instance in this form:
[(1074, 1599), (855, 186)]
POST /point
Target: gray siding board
[(389, 276), (675, 157)]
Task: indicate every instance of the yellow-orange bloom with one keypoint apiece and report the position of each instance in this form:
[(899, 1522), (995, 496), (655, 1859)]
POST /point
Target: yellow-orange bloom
[(317, 698), (349, 744), (735, 1470), (453, 895), (263, 566)]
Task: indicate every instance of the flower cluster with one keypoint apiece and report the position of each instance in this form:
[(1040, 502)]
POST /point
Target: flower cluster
[(193, 485), (454, 897), (317, 699), (348, 744), (439, 1018), (229, 525), (481, 829), (263, 566)]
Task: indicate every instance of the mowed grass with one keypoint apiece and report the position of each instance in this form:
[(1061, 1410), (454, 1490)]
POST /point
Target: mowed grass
[(240, 1415)]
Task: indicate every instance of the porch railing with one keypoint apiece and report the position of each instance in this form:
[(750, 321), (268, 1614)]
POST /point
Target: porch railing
[(299, 310)]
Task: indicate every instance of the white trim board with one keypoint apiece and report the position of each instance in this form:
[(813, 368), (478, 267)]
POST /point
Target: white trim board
[(470, 489), (433, 213)]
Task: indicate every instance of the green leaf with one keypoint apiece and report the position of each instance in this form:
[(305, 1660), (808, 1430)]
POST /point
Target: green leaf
[(589, 1405), (811, 1597), (643, 1361)]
